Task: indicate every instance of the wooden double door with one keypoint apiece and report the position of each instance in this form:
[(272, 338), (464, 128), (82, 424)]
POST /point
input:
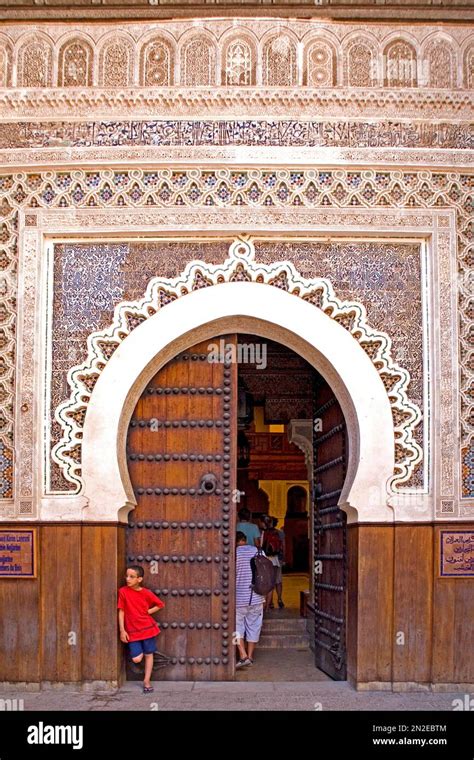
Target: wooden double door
[(182, 463), (182, 457)]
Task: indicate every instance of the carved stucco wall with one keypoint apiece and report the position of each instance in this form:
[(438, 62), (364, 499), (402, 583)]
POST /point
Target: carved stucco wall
[(221, 53), (90, 279), (406, 146)]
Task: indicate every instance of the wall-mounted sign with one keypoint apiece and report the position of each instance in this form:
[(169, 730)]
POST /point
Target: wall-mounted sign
[(457, 554), (18, 553)]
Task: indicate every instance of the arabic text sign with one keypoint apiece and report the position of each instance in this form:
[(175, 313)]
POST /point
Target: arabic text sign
[(18, 553), (457, 554)]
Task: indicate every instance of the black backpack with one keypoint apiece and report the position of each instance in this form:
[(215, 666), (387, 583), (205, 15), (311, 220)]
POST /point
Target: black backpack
[(263, 573)]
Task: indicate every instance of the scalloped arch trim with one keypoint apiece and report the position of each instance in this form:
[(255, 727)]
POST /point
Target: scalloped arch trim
[(240, 266)]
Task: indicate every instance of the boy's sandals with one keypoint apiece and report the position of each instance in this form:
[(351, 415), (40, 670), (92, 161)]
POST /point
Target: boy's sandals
[(148, 689)]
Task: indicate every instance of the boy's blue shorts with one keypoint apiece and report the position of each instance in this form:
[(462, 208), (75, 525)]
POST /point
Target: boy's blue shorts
[(144, 646)]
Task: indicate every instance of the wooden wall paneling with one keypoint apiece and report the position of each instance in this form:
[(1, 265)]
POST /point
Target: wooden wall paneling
[(375, 603), (48, 602), (91, 592), (60, 583), (352, 602), (67, 583), (463, 631), (413, 603), (19, 630), (101, 661), (110, 661), (453, 615), (28, 631), (120, 574), (9, 623), (444, 601)]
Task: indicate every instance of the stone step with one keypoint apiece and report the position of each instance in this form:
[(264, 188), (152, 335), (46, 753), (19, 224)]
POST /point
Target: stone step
[(282, 625), (284, 641)]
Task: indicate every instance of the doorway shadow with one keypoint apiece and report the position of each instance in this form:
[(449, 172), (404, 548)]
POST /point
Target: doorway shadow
[(284, 653)]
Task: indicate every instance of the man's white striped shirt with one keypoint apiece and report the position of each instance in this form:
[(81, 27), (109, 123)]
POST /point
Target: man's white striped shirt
[(244, 595)]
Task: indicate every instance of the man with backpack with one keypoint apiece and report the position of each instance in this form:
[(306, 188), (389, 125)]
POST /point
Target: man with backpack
[(273, 547), (253, 574)]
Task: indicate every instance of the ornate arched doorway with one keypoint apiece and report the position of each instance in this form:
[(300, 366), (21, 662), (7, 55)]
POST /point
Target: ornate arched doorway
[(182, 453), (267, 312), (231, 307)]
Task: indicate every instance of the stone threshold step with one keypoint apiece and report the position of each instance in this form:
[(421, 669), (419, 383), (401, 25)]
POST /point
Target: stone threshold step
[(284, 626), (284, 642)]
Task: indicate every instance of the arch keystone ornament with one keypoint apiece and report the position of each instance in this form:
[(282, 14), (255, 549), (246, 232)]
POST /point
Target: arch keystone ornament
[(273, 301)]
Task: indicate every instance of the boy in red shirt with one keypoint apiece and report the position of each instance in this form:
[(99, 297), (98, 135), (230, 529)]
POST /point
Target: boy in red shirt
[(137, 628)]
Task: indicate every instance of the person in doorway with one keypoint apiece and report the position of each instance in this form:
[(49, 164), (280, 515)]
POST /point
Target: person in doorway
[(281, 557), (251, 530), (273, 547), (138, 629), (262, 524), (248, 604), (281, 533)]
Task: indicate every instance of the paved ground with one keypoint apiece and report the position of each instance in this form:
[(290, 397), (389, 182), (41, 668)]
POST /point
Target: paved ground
[(279, 680), (242, 695)]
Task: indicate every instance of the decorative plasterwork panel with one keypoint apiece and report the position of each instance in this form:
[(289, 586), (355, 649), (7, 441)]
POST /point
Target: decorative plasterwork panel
[(90, 278), (288, 134), (404, 202), (26, 401), (236, 103), (239, 267), (282, 54), (216, 156)]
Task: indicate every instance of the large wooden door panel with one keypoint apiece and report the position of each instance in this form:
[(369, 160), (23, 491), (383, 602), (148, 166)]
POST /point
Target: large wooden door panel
[(330, 549), (181, 453)]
